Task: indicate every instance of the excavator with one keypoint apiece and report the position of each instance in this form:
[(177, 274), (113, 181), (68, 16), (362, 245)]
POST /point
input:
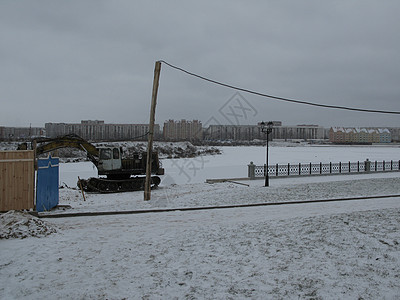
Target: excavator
[(122, 174)]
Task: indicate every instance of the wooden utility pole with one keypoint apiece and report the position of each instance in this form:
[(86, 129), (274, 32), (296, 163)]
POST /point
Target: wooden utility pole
[(147, 186)]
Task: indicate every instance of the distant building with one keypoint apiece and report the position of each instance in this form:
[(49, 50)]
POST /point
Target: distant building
[(341, 135), (233, 132), (21, 133), (252, 132), (100, 131), (183, 130), (304, 132), (385, 135), (395, 133)]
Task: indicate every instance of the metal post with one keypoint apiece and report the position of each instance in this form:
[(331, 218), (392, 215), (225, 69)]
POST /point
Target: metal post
[(252, 171), (147, 187), (265, 169), (266, 130), (367, 165)]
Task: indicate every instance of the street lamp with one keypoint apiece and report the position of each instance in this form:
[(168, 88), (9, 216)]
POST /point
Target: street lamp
[(267, 129)]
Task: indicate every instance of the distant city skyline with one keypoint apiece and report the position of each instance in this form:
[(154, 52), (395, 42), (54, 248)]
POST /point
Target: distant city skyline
[(205, 124), (195, 130)]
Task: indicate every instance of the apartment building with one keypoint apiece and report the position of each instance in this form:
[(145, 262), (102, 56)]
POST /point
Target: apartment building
[(99, 131), (252, 132), (183, 130), (21, 133), (341, 135)]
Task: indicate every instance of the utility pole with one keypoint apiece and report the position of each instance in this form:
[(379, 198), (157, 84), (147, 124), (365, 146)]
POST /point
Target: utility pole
[(147, 186)]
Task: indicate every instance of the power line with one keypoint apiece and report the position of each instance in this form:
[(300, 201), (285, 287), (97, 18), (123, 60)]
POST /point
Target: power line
[(280, 98), (140, 136)]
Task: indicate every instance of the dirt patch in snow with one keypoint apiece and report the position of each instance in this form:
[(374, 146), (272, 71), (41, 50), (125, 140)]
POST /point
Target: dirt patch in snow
[(17, 224)]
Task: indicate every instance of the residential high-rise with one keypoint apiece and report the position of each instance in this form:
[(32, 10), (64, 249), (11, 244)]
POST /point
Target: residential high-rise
[(100, 131), (183, 130)]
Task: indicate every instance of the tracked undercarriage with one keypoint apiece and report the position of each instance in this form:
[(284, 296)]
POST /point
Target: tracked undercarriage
[(104, 185)]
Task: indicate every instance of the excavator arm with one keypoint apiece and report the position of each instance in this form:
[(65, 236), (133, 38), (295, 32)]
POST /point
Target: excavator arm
[(44, 145)]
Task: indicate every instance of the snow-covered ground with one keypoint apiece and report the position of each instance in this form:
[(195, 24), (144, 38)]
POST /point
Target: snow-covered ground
[(335, 250), (204, 194), (314, 251)]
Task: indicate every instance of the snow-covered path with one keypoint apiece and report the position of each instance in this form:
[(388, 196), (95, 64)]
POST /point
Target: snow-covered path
[(219, 194), (333, 250)]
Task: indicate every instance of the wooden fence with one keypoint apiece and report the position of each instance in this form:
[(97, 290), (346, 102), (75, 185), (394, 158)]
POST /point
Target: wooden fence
[(309, 169), (17, 180)]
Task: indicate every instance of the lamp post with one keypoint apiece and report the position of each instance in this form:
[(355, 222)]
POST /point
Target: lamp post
[(267, 129)]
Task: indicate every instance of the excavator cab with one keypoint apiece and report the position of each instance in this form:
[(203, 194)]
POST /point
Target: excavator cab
[(109, 159)]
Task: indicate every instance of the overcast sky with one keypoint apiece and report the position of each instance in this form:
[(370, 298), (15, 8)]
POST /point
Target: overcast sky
[(67, 61)]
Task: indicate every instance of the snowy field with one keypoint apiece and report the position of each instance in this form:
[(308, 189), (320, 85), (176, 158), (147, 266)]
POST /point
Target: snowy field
[(335, 250)]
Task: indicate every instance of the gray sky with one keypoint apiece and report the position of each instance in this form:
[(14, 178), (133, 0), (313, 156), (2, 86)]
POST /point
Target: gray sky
[(66, 61)]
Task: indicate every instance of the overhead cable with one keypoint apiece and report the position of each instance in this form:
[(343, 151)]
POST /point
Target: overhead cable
[(280, 98)]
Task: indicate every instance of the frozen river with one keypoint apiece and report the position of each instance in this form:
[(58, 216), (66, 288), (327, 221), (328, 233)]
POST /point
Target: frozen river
[(234, 160)]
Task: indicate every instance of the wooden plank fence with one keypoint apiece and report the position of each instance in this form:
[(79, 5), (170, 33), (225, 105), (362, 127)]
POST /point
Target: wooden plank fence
[(17, 180)]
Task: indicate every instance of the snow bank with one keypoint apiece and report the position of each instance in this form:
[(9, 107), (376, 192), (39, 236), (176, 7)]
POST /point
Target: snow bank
[(16, 224)]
